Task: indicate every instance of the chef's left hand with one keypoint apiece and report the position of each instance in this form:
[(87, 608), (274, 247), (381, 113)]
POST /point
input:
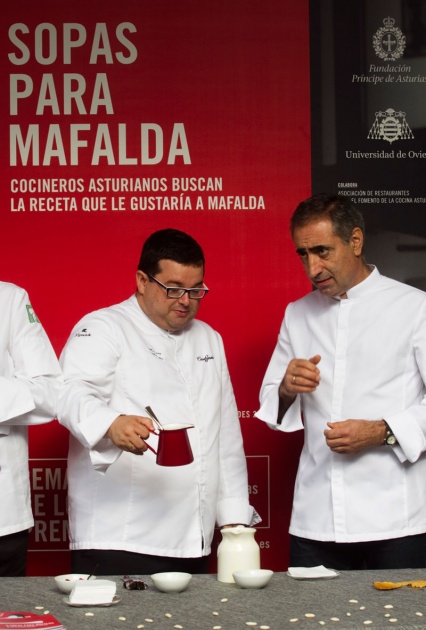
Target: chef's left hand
[(352, 436)]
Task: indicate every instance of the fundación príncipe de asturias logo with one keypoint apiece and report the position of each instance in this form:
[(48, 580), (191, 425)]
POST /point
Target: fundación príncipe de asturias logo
[(389, 41), (389, 44)]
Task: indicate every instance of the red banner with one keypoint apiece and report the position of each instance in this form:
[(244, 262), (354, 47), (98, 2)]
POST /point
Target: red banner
[(119, 119)]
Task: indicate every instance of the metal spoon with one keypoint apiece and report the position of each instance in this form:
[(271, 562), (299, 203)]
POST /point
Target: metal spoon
[(154, 418), (95, 568)]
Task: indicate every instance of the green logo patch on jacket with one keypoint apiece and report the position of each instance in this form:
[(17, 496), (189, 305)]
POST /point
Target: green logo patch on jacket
[(31, 315)]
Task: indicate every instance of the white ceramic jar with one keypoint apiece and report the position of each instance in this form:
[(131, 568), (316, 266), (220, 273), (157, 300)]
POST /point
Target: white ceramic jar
[(237, 550)]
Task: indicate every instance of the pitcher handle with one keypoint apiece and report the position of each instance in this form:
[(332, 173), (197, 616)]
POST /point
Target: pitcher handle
[(150, 447)]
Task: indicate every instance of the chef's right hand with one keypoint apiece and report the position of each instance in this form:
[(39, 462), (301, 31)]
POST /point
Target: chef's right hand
[(129, 433), (302, 376)]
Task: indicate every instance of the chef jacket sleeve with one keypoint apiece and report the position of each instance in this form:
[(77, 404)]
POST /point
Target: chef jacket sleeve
[(233, 502), (89, 361), (269, 398), (30, 382), (409, 425)]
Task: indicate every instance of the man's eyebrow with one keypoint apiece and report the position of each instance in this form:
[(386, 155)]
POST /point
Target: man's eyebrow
[(314, 250), (177, 283)]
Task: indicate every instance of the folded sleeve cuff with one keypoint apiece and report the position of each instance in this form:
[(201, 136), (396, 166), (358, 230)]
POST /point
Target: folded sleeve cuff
[(411, 439), (104, 454), (268, 412), (230, 511), (15, 398), (93, 429)]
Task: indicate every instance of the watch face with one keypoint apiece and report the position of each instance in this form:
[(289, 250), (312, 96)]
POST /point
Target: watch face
[(391, 439)]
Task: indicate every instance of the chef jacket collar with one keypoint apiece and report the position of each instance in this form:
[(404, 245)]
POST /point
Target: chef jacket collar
[(370, 284)]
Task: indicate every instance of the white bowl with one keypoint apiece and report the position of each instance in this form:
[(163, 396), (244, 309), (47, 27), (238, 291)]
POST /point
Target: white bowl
[(66, 582), (252, 578), (172, 582)]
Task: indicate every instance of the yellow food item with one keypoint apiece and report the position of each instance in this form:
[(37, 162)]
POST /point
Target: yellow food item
[(388, 586)]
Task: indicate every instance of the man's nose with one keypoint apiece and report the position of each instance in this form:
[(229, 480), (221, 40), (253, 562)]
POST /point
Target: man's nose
[(184, 299), (314, 266)]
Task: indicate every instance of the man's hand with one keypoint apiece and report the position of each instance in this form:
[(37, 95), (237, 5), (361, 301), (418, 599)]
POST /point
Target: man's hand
[(129, 433), (352, 436), (302, 376)]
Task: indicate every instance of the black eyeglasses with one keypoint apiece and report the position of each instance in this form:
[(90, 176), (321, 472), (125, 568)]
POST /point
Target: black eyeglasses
[(174, 293)]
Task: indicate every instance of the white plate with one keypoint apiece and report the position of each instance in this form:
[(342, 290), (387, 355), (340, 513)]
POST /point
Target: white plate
[(312, 573), (115, 601), (314, 577)]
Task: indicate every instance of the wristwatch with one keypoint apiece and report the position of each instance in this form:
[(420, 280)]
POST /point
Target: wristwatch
[(390, 438)]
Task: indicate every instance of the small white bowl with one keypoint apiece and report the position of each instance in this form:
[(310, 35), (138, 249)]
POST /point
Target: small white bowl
[(172, 582), (252, 578), (66, 582)]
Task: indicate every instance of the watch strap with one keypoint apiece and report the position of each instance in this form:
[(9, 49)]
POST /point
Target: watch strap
[(390, 438)]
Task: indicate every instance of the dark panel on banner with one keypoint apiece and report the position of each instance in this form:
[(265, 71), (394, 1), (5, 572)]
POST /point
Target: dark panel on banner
[(368, 114)]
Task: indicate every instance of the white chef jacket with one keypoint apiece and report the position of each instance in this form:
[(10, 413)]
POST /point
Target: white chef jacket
[(373, 367), (116, 362), (30, 377)]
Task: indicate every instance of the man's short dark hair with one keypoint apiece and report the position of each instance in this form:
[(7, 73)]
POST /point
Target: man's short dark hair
[(170, 244), (342, 213)]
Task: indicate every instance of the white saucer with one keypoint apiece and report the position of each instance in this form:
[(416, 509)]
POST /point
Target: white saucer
[(312, 573), (115, 601), (313, 577)]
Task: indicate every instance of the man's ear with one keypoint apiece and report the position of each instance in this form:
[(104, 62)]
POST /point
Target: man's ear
[(141, 281), (357, 241)]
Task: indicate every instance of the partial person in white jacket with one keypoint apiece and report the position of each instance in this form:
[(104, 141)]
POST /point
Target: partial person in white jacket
[(30, 378), (126, 513), (350, 368)]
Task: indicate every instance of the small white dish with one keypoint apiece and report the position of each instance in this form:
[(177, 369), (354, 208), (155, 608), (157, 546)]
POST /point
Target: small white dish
[(312, 573), (252, 578), (66, 582), (171, 582), (115, 601)]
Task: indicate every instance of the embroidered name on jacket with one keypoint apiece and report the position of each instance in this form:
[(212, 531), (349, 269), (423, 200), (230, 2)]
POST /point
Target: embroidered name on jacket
[(156, 354), (83, 333), (206, 358)]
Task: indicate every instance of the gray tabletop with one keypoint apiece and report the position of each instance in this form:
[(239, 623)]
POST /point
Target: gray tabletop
[(348, 601)]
